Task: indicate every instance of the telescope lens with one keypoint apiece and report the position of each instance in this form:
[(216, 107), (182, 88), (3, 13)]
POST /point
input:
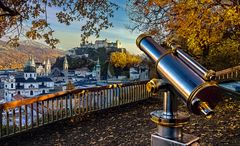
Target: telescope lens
[(205, 109)]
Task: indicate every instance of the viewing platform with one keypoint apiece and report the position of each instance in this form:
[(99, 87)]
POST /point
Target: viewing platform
[(107, 115)]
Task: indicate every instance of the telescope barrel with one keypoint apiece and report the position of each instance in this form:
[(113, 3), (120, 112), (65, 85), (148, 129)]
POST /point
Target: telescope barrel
[(199, 95), (194, 65)]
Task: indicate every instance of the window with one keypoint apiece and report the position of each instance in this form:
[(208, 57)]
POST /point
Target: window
[(6, 94), (31, 92), (19, 92), (11, 85), (43, 91), (30, 75), (12, 95)]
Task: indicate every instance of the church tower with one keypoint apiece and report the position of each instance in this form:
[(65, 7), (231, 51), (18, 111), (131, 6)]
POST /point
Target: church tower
[(65, 63), (98, 70), (65, 69), (48, 67)]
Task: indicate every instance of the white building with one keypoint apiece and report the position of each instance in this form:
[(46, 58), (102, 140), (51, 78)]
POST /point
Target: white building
[(97, 71), (43, 69), (140, 73), (28, 85)]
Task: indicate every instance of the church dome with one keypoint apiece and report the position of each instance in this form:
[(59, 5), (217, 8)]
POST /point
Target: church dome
[(30, 65), (29, 69)]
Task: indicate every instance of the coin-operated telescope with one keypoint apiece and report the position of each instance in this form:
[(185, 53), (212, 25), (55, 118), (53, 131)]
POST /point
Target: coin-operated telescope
[(189, 80)]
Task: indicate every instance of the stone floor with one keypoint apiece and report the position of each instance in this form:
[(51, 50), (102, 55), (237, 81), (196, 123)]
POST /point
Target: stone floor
[(130, 125)]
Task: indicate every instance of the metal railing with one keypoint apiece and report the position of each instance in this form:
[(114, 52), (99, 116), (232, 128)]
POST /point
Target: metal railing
[(229, 74), (22, 115)]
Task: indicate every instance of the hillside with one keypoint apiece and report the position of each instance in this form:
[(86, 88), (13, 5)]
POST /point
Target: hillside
[(79, 60), (15, 58)]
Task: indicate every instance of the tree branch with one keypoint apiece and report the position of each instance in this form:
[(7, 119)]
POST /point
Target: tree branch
[(9, 11)]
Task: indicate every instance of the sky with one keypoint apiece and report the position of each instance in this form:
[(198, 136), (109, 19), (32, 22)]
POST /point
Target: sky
[(69, 36)]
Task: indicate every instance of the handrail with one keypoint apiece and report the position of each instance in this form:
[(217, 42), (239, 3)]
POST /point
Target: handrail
[(16, 103), (228, 70), (229, 74), (21, 115)]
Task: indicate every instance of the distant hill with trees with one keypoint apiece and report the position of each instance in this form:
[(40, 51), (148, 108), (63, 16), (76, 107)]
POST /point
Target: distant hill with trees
[(15, 58), (87, 57)]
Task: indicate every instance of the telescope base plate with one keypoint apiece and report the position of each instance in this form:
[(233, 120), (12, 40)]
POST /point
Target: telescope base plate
[(185, 140)]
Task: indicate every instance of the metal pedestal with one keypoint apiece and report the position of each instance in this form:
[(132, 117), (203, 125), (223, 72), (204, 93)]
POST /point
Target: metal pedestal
[(169, 124)]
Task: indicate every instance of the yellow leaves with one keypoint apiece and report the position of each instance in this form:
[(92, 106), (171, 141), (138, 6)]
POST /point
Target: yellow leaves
[(202, 23), (122, 59), (70, 86), (118, 59)]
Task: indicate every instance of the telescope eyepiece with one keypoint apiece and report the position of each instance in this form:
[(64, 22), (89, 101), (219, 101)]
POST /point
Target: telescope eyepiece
[(203, 107)]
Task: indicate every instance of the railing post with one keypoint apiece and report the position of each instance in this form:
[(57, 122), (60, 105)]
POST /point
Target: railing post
[(1, 118)]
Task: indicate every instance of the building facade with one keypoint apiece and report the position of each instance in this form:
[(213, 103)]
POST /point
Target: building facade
[(42, 69), (28, 85)]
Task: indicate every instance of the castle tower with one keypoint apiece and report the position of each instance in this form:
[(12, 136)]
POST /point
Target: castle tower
[(98, 70), (48, 67)]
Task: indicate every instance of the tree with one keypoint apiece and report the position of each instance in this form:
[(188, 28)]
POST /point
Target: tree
[(70, 86), (14, 14), (124, 59), (205, 26)]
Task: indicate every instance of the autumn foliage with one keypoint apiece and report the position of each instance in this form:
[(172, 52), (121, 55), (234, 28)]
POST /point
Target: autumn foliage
[(124, 59), (207, 28), (15, 14)]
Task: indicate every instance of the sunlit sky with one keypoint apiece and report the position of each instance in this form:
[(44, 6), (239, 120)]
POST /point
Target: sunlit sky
[(69, 36)]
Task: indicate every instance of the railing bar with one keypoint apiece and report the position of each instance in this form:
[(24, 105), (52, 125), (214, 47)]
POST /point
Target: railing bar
[(1, 124), (26, 117), (86, 96), (62, 107), (129, 94), (37, 110), (7, 128), (66, 101), (43, 113), (70, 100), (14, 120), (20, 118), (91, 103), (111, 97), (82, 102), (98, 100), (57, 109), (31, 107), (133, 93), (93, 106), (75, 107), (117, 96), (79, 103), (137, 97), (114, 96), (48, 111), (123, 95), (52, 110), (104, 98)]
